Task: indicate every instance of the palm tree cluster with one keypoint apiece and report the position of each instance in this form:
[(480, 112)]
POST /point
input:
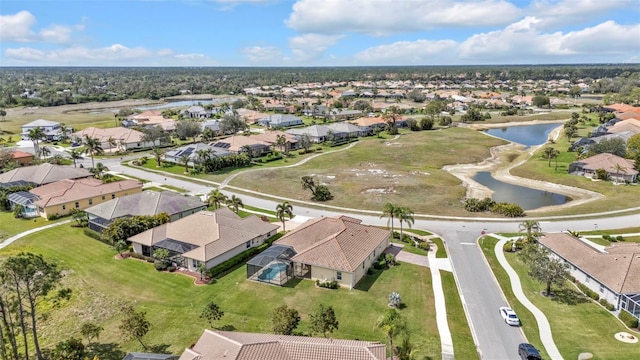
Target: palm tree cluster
[(207, 161), (284, 210), (216, 199), (403, 214), (92, 147)]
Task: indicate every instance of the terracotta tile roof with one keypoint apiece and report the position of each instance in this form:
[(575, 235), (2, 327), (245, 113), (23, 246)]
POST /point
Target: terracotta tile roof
[(43, 174), (618, 267), (236, 142), (632, 114), (368, 121), (213, 232), (270, 137), (17, 154), (218, 345), (621, 107), (65, 191), (607, 162), (341, 243), (632, 125)]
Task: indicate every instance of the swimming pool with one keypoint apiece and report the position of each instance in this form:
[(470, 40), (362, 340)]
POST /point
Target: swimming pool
[(271, 272)]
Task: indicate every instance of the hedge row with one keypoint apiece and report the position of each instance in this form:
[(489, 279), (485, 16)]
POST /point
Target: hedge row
[(95, 235), (629, 320), (242, 257), (609, 306), (590, 293)]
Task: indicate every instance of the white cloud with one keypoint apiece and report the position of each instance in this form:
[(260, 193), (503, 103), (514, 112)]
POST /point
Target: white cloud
[(311, 47), (114, 55), (419, 52), (383, 17), (523, 42), (19, 28), (558, 13), (263, 55)]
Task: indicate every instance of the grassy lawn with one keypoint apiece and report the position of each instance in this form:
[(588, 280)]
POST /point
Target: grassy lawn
[(409, 248), (264, 211), (442, 251), (463, 346), (418, 232), (376, 171), (580, 327), (101, 284), (10, 226)]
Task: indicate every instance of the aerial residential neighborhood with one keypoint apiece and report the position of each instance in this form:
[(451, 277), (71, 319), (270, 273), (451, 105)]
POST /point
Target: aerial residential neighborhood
[(304, 180)]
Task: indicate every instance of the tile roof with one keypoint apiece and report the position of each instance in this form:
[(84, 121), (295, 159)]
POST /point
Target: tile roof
[(219, 345), (146, 203), (120, 134), (44, 174), (368, 121), (632, 125), (17, 154), (213, 232), (236, 142), (270, 136), (607, 162), (618, 267), (65, 191), (341, 243), (41, 123)]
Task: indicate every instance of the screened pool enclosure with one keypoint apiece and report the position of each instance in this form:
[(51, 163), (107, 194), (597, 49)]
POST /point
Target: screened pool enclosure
[(272, 266)]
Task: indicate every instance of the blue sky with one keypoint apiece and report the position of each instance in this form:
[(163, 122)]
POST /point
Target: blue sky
[(317, 32)]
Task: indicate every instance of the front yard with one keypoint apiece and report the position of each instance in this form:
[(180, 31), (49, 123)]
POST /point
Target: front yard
[(578, 324), (101, 285)]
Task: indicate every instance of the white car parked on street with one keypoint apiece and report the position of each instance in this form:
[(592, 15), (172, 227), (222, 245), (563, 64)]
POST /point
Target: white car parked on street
[(509, 316)]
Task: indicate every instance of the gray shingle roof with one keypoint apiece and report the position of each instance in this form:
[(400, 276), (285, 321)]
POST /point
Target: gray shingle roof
[(44, 174), (146, 203)]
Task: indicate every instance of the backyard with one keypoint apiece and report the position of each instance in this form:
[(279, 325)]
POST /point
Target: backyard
[(101, 285), (578, 324)]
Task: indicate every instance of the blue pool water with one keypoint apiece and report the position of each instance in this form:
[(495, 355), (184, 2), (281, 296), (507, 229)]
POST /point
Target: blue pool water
[(271, 272)]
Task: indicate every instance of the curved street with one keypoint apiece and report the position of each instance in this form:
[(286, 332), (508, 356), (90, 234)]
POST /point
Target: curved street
[(480, 294)]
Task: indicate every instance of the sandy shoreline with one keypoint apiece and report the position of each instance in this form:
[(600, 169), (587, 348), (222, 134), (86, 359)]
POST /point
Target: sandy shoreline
[(501, 171)]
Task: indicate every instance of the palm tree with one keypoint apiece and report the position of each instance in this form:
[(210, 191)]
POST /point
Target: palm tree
[(216, 198), (550, 153), (235, 203), (619, 169), (111, 141), (392, 324), (157, 152), (44, 152), (282, 210), (281, 142), (64, 133), (75, 155), (404, 214), (532, 228), (92, 147), (389, 210), (35, 135), (184, 159), (99, 170)]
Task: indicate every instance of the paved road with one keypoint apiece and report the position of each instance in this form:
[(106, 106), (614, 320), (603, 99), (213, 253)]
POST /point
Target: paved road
[(479, 290)]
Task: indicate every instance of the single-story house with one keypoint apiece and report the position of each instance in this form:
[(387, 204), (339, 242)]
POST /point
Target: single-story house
[(233, 345), (335, 248), (318, 133), (251, 116), (43, 174), (280, 120), (352, 131), (206, 237), (613, 273), (344, 114), (147, 202), (213, 125), (370, 123), (630, 125), (123, 138), (60, 197), (240, 143), (150, 118), (52, 129), (196, 112), (316, 111), (271, 137), (617, 168), (22, 158), (193, 151)]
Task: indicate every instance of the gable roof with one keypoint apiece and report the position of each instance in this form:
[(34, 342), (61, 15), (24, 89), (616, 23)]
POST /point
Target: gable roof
[(17, 154), (146, 203), (214, 345), (368, 121), (341, 243), (67, 190), (212, 232), (236, 142), (607, 162), (120, 134), (43, 174), (40, 123), (632, 125), (618, 267)]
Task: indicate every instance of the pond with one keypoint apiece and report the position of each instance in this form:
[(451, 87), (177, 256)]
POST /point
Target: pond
[(172, 104), (527, 135)]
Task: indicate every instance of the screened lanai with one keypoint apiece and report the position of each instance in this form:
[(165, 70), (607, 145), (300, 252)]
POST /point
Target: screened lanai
[(273, 265)]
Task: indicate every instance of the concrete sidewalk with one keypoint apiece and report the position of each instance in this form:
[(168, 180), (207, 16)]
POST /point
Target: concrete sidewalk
[(543, 324)]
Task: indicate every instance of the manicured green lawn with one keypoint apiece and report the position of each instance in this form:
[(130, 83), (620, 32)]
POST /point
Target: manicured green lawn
[(442, 251), (580, 327), (265, 211), (409, 248), (418, 232), (10, 226), (463, 346), (101, 284)]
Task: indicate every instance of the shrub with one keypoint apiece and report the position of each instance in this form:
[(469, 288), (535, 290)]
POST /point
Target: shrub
[(390, 259), (394, 300), (148, 259), (53, 217), (171, 268), (590, 293), (92, 234), (606, 237), (379, 265), (629, 320), (370, 270), (609, 306), (160, 265), (328, 284), (424, 245), (619, 238)]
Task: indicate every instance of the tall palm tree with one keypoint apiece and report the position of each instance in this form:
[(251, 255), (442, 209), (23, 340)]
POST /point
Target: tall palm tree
[(281, 142), (619, 169), (75, 155), (111, 141), (157, 153), (99, 170), (235, 203), (389, 210), (44, 152), (404, 215), (35, 135), (184, 159), (532, 228), (283, 210), (392, 324), (550, 153), (216, 198), (64, 133), (92, 147)]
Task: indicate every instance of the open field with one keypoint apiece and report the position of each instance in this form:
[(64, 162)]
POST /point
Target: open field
[(405, 171), (578, 324), (101, 284)]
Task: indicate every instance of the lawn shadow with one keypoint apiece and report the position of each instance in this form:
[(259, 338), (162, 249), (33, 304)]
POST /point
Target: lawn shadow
[(105, 351), (368, 280), (293, 282), (569, 297), (227, 327), (159, 349)]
